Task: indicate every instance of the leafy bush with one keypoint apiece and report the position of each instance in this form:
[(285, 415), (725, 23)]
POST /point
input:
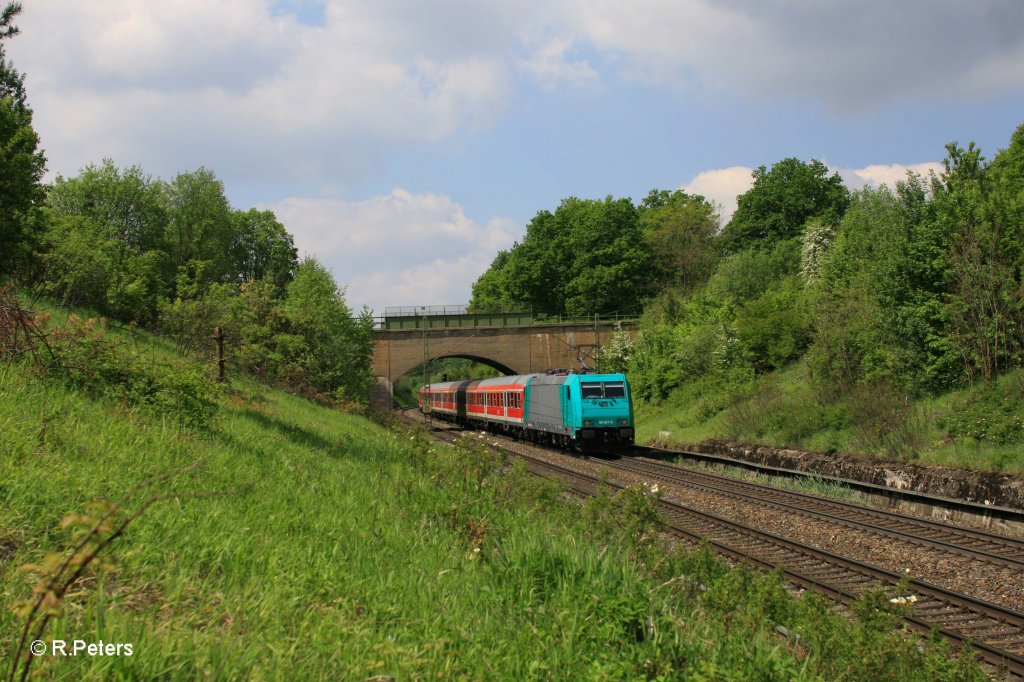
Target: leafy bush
[(774, 326), (80, 355)]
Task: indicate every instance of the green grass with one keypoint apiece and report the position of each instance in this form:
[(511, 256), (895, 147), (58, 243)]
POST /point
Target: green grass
[(980, 427), (350, 550)]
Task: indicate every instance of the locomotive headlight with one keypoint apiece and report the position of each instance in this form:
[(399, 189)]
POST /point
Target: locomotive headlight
[(588, 422), (623, 422)]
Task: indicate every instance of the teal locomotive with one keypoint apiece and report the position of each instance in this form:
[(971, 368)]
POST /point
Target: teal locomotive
[(582, 411)]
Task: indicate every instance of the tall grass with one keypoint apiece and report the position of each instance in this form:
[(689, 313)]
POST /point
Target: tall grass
[(978, 427), (351, 551)]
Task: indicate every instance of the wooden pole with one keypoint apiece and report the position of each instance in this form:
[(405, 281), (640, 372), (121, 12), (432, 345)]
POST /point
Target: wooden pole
[(218, 336)]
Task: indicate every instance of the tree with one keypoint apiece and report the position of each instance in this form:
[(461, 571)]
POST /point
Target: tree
[(678, 229), (261, 248), (125, 211), (199, 227), (879, 295), (22, 164), (610, 266), (782, 200), (78, 261), (490, 293), (588, 257), (532, 275), (984, 211), (327, 352), (129, 204)]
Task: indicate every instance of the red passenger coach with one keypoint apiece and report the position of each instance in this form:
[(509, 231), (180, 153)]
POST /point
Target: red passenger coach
[(499, 402), (441, 398), (500, 399)]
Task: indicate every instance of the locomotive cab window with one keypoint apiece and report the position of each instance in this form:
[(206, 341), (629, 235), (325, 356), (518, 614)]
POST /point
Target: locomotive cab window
[(601, 389)]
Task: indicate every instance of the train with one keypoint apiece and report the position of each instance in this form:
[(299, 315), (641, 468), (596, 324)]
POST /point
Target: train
[(584, 412)]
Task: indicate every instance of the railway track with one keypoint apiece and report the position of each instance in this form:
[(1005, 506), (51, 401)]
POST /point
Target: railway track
[(975, 544), (995, 632)]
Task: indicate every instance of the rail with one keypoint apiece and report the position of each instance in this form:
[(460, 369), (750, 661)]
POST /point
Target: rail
[(995, 632)]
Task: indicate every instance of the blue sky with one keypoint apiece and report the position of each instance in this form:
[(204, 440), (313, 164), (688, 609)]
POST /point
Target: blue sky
[(404, 142)]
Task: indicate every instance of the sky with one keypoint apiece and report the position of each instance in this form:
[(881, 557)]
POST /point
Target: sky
[(404, 142)]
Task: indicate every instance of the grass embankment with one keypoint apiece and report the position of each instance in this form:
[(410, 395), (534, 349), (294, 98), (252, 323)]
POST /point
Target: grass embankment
[(348, 550), (978, 428)]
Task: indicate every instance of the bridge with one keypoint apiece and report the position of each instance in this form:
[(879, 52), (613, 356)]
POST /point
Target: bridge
[(511, 342)]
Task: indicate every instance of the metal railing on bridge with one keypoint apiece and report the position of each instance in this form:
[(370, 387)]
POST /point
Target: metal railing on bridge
[(448, 316), (454, 316)]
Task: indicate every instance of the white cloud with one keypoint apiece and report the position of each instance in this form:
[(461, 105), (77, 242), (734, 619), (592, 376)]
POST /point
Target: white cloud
[(852, 55), (886, 174), (550, 67), (399, 248), (175, 85), (263, 98), (721, 186)]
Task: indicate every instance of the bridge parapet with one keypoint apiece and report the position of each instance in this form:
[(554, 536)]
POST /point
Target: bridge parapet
[(455, 319), (458, 316)]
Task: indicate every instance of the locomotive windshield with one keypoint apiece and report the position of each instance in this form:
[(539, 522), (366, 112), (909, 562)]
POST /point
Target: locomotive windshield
[(599, 389), (614, 390)]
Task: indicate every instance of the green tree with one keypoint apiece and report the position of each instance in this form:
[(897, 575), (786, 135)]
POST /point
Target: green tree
[(128, 204), (678, 229), (125, 211), (490, 291), (609, 268), (326, 352), (588, 257), (887, 273), (199, 226), (262, 248), (782, 200), (78, 261), (22, 163), (983, 208), (533, 277)]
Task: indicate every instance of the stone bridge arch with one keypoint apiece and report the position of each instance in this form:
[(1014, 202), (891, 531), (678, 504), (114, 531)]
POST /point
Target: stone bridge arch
[(512, 349), (490, 362)]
